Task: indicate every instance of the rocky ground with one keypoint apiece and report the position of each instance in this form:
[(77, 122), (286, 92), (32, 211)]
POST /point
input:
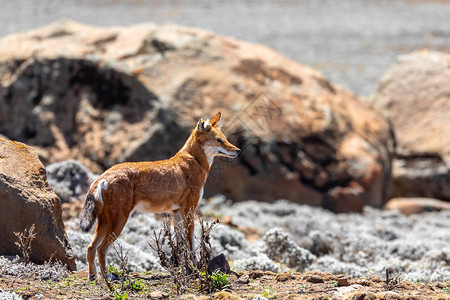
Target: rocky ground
[(256, 285), (285, 236), (282, 251)]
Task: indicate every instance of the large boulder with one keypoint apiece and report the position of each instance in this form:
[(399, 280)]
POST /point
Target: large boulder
[(415, 93), (26, 199), (107, 95), (410, 206)]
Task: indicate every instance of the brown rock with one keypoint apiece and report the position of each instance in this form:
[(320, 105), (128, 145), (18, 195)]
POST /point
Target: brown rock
[(343, 281), (270, 273), (364, 282), (256, 274), (27, 199), (415, 93), (410, 206), (132, 93), (224, 295), (71, 210), (313, 278), (359, 295), (244, 279), (282, 277), (159, 295)]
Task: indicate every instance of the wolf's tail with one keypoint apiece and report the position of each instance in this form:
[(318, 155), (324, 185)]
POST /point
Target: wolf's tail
[(93, 205)]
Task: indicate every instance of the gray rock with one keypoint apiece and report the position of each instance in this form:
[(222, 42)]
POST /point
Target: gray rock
[(48, 271), (138, 259), (281, 248), (261, 262), (229, 241), (5, 295), (69, 179)]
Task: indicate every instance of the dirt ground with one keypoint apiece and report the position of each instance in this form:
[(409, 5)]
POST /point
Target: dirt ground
[(310, 285), (249, 285)]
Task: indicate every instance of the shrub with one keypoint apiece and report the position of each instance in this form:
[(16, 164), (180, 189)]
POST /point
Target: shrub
[(281, 248)]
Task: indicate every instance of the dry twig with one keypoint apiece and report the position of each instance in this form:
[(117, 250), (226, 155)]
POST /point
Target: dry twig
[(392, 282), (25, 239), (181, 262)]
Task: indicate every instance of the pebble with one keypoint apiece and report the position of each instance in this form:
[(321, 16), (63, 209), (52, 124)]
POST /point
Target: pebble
[(158, 295), (244, 279)]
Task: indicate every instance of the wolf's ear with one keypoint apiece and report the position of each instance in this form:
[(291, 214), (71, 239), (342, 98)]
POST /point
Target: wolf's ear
[(216, 119), (204, 126)]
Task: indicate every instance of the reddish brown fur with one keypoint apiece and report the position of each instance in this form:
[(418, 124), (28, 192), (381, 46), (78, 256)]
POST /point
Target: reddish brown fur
[(173, 184)]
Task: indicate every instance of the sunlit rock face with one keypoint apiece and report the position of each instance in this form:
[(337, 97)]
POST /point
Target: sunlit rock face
[(415, 94)]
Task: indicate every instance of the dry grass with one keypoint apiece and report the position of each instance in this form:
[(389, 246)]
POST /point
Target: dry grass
[(25, 239), (184, 266)]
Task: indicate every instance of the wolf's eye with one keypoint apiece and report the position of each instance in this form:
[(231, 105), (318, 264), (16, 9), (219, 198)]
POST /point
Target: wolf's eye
[(219, 141)]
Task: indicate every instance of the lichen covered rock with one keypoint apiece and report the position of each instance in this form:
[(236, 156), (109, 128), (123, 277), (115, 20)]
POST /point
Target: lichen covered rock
[(280, 247), (69, 179), (26, 200)]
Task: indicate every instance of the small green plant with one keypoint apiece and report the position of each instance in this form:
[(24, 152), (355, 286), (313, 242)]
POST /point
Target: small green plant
[(446, 289), (120, 296), (332, 283), (120, 292), (219, 280), (115, 271), (268, 293), (303, 288), (137, 285)]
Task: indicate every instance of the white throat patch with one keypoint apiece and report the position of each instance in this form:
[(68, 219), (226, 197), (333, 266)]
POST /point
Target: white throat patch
[(210, 152)]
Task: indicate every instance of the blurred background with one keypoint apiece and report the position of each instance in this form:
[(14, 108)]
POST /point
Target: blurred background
[(351, 42)]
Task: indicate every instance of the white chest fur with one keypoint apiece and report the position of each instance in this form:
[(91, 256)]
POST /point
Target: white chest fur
[(210, 152)]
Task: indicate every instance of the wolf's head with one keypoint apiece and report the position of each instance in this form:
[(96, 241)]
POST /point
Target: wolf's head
[(213, 141)]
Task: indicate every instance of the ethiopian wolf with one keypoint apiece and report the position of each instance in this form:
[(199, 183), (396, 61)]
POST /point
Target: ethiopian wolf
[(172, 185)]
